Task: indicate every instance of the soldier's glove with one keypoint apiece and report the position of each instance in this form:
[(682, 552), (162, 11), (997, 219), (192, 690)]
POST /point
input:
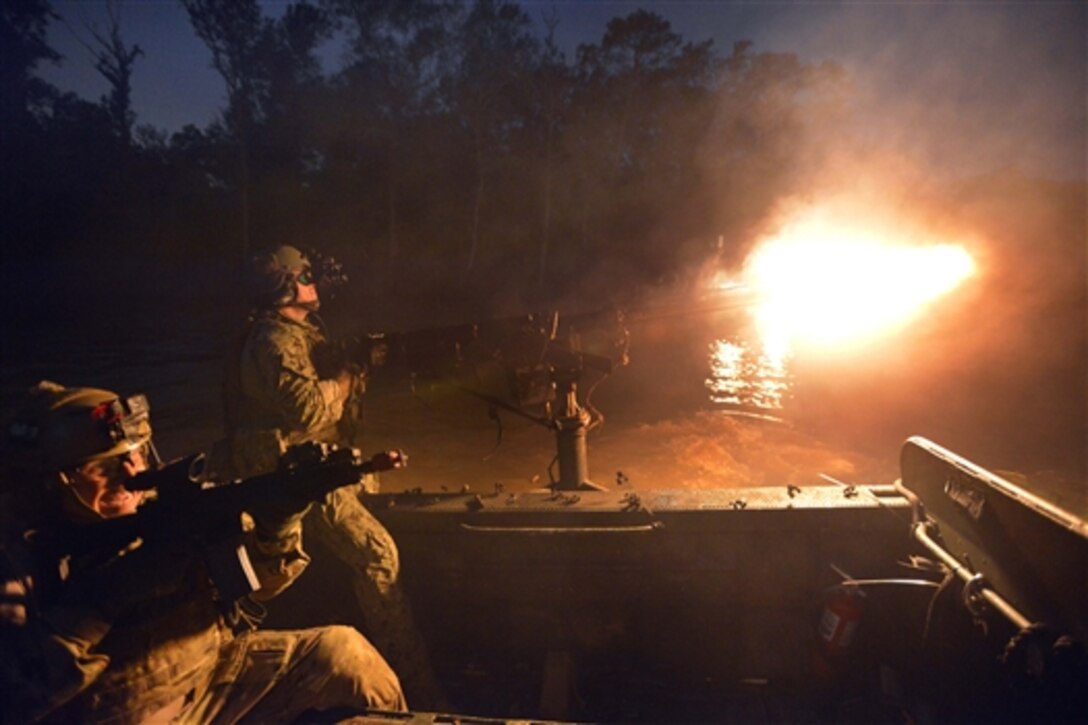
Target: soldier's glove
[(351, 380), (92, 600)]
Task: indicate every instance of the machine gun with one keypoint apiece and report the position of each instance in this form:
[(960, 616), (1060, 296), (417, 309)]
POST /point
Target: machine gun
[(185, 507), (531, 366)]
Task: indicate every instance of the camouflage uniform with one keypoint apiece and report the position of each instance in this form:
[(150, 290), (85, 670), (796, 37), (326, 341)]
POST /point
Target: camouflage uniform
[(138, 637), (274, 399)]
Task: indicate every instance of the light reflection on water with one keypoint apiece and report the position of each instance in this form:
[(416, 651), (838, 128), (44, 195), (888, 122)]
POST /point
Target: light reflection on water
[(749, 377)]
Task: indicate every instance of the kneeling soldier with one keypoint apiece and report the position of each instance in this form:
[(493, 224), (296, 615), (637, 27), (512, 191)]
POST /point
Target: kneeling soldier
[(142, 634)]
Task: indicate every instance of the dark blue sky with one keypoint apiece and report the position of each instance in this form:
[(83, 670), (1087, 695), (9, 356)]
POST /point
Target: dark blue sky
[(967, 85)]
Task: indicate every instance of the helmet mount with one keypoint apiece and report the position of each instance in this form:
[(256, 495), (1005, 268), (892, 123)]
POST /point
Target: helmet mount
[(58, 428)]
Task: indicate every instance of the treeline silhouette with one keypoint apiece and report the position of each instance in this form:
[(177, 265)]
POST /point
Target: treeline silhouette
[(455, 148)]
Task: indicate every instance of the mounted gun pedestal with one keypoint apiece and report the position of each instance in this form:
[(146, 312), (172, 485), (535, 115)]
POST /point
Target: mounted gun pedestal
[(571, 422), (534, 366)]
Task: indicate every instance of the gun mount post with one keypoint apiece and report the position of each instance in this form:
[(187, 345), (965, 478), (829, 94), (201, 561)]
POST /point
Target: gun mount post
[(571, 425), (518, 365)]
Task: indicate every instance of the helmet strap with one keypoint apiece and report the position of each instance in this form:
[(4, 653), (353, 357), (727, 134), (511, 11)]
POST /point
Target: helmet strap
[(155, 461)]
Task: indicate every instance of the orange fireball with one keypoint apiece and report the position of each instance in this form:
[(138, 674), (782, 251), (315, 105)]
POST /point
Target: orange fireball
[(827, 283)]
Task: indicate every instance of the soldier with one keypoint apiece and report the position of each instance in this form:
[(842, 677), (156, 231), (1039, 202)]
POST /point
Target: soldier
[(274, 398), (139, 635)]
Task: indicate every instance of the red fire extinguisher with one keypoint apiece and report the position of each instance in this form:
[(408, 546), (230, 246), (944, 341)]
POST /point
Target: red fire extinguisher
[(843, 608)]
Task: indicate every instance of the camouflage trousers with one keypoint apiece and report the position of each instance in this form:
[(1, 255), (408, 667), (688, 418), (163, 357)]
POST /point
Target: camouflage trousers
[(275, 676), (358, 539)]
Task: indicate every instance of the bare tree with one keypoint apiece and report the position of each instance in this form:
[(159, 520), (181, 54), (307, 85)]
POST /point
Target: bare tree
[(114, 60)]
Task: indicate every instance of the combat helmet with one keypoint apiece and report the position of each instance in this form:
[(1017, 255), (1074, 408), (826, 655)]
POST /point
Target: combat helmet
[(59, 428), (271, 276)]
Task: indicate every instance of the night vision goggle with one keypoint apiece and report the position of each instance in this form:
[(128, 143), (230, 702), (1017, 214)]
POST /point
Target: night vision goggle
[(128, 419), (325, 271)]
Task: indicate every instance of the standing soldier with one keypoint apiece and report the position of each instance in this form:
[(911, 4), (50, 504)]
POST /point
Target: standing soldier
[(139, 633), (275, 398)]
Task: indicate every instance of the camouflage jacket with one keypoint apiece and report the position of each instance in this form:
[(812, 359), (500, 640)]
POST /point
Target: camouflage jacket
[(273, 396), (63, 659)]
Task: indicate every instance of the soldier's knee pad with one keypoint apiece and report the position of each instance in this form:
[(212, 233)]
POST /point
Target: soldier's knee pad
[(351, 661), (344, 650)]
